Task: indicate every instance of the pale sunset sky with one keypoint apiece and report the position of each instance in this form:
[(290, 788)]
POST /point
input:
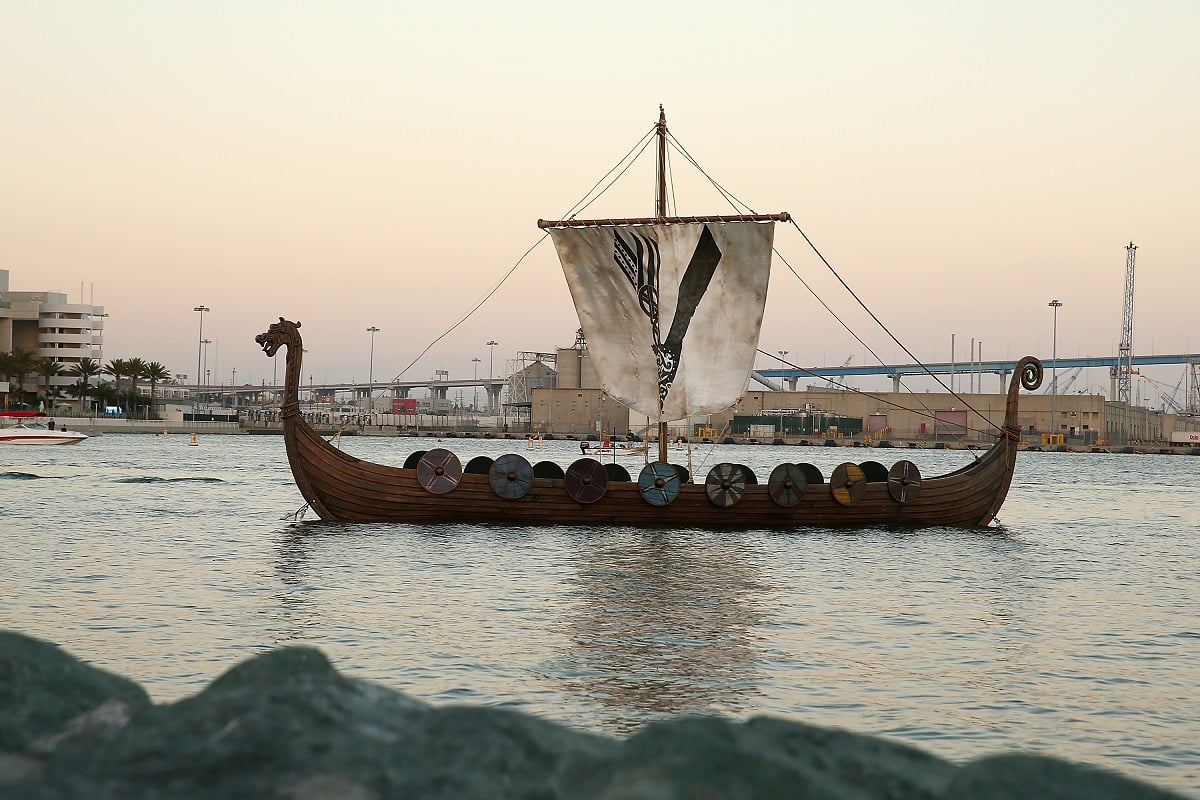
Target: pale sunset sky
[(385, 164)]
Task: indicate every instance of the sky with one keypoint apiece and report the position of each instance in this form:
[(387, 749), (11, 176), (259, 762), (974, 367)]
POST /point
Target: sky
[(350, 165)]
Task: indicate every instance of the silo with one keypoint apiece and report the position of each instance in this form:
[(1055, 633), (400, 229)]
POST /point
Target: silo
[(587, 372), (567, 364)]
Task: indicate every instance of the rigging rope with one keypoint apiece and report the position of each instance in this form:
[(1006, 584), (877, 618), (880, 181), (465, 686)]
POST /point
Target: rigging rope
[(573, 211), (885, 329), (474, 308), (738, 205), (620, 168), (924, 411)]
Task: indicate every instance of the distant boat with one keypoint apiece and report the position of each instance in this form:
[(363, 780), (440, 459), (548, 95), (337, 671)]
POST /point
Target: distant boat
[(671, 308), (609, 448), (27, 431)]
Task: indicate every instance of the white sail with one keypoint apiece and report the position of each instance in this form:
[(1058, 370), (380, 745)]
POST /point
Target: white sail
[(671, 311)]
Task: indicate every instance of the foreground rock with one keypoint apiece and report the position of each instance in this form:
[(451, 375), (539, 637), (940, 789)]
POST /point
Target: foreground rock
[(287, 725)]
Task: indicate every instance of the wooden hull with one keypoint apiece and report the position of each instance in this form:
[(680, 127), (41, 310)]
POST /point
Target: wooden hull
[(340, 487)]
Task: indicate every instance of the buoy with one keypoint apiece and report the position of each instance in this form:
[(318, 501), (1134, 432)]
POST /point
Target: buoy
[(193, 442)]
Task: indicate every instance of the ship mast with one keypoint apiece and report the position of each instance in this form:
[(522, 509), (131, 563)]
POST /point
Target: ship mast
[(660, 213)]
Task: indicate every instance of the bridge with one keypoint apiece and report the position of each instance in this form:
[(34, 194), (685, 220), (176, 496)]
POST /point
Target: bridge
[(1001, 368), (440, 389), (493, 387)]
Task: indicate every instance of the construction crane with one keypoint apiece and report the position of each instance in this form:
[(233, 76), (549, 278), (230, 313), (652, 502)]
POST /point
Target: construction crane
[(1063, 385), (1168, 401), (841, 379), (1192, 393), (1125, 350)]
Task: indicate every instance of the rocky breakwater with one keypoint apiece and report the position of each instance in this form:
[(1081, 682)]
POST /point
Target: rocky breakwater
[(287, 725)]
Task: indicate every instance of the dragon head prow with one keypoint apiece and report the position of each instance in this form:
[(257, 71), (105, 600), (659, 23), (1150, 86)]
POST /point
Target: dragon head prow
[(279, 334)]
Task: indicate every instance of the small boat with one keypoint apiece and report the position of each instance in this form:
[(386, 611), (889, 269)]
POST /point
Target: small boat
[(29, 432), (671, 308), (609, 448)]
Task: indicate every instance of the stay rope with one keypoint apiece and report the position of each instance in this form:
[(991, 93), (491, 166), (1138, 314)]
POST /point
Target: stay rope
[(614, 174), (744, 208), (924, 411), (589, 197)]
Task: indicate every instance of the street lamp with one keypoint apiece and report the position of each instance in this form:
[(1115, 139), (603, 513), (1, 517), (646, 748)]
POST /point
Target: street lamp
[(102, 317), (782, 353), (199, 347), (491, 356), (1055, 304), (371, 370), (204, 343), (475, 397)]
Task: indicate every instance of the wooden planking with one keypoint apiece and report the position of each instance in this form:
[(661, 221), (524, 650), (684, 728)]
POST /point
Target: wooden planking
[(346, 488), (340, 487)]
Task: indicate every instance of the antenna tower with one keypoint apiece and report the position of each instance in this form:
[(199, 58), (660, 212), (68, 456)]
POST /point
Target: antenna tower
[(1125, 352)]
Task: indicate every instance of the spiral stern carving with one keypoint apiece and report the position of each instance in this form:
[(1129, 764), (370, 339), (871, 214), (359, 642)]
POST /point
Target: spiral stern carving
[(1028, 375), (1031, 372)]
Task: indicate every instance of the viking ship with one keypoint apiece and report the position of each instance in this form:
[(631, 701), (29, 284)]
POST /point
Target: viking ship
[(671, 308)]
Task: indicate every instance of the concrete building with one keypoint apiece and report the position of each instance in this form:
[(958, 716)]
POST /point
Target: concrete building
[(1082, 420), (46, 324)]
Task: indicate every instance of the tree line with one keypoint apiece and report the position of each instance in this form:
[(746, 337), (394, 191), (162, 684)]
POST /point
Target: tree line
[(126, 374)]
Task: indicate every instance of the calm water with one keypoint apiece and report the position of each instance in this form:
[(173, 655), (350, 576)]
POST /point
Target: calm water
[(1072, 629)]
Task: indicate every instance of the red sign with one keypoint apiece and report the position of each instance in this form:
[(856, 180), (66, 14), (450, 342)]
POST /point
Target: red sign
[(404, 405)]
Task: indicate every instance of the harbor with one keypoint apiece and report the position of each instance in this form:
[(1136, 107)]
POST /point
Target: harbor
[(394, 404), (952, 641)]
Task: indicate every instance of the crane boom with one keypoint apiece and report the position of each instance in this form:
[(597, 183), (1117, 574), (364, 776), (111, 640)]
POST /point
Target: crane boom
[(1125, 351)]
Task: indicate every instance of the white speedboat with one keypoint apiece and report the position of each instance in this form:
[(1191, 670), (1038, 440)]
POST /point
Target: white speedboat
[(38, 433), (612, 448)]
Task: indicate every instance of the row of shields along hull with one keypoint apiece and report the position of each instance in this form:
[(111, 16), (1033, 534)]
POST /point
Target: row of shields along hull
[(586, 481)]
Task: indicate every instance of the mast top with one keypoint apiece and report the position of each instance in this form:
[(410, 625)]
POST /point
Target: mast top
[(660, 197)]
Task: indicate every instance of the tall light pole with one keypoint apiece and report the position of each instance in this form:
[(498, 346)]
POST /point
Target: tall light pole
[(782, 353), (371, 371), (475, 398), (491, 356), (204, 343), (1054, 304), (199, 347), (102, 317), (952, 364)]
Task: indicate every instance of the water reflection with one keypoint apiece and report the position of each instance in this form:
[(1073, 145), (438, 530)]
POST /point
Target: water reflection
[(293, 612), (664, 623)]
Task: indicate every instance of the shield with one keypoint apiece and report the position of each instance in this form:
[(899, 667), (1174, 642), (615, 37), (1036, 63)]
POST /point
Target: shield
[(848, 483), (904, 481), (586, 480), (725, 484), (786, 485), (439, 471), (659, 483), (511, 476)]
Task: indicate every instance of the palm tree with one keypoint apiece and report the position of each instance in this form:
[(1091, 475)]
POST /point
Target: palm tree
[(5, 368), (106, 393), (118, 368), (155, 373), (84, 371), (48, 368), (20, 363), (136, 369)]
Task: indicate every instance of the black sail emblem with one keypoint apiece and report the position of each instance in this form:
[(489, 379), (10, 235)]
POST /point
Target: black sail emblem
[(640, 260)]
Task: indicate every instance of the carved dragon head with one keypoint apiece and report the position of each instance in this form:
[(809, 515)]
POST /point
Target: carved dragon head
[(284, 332)]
